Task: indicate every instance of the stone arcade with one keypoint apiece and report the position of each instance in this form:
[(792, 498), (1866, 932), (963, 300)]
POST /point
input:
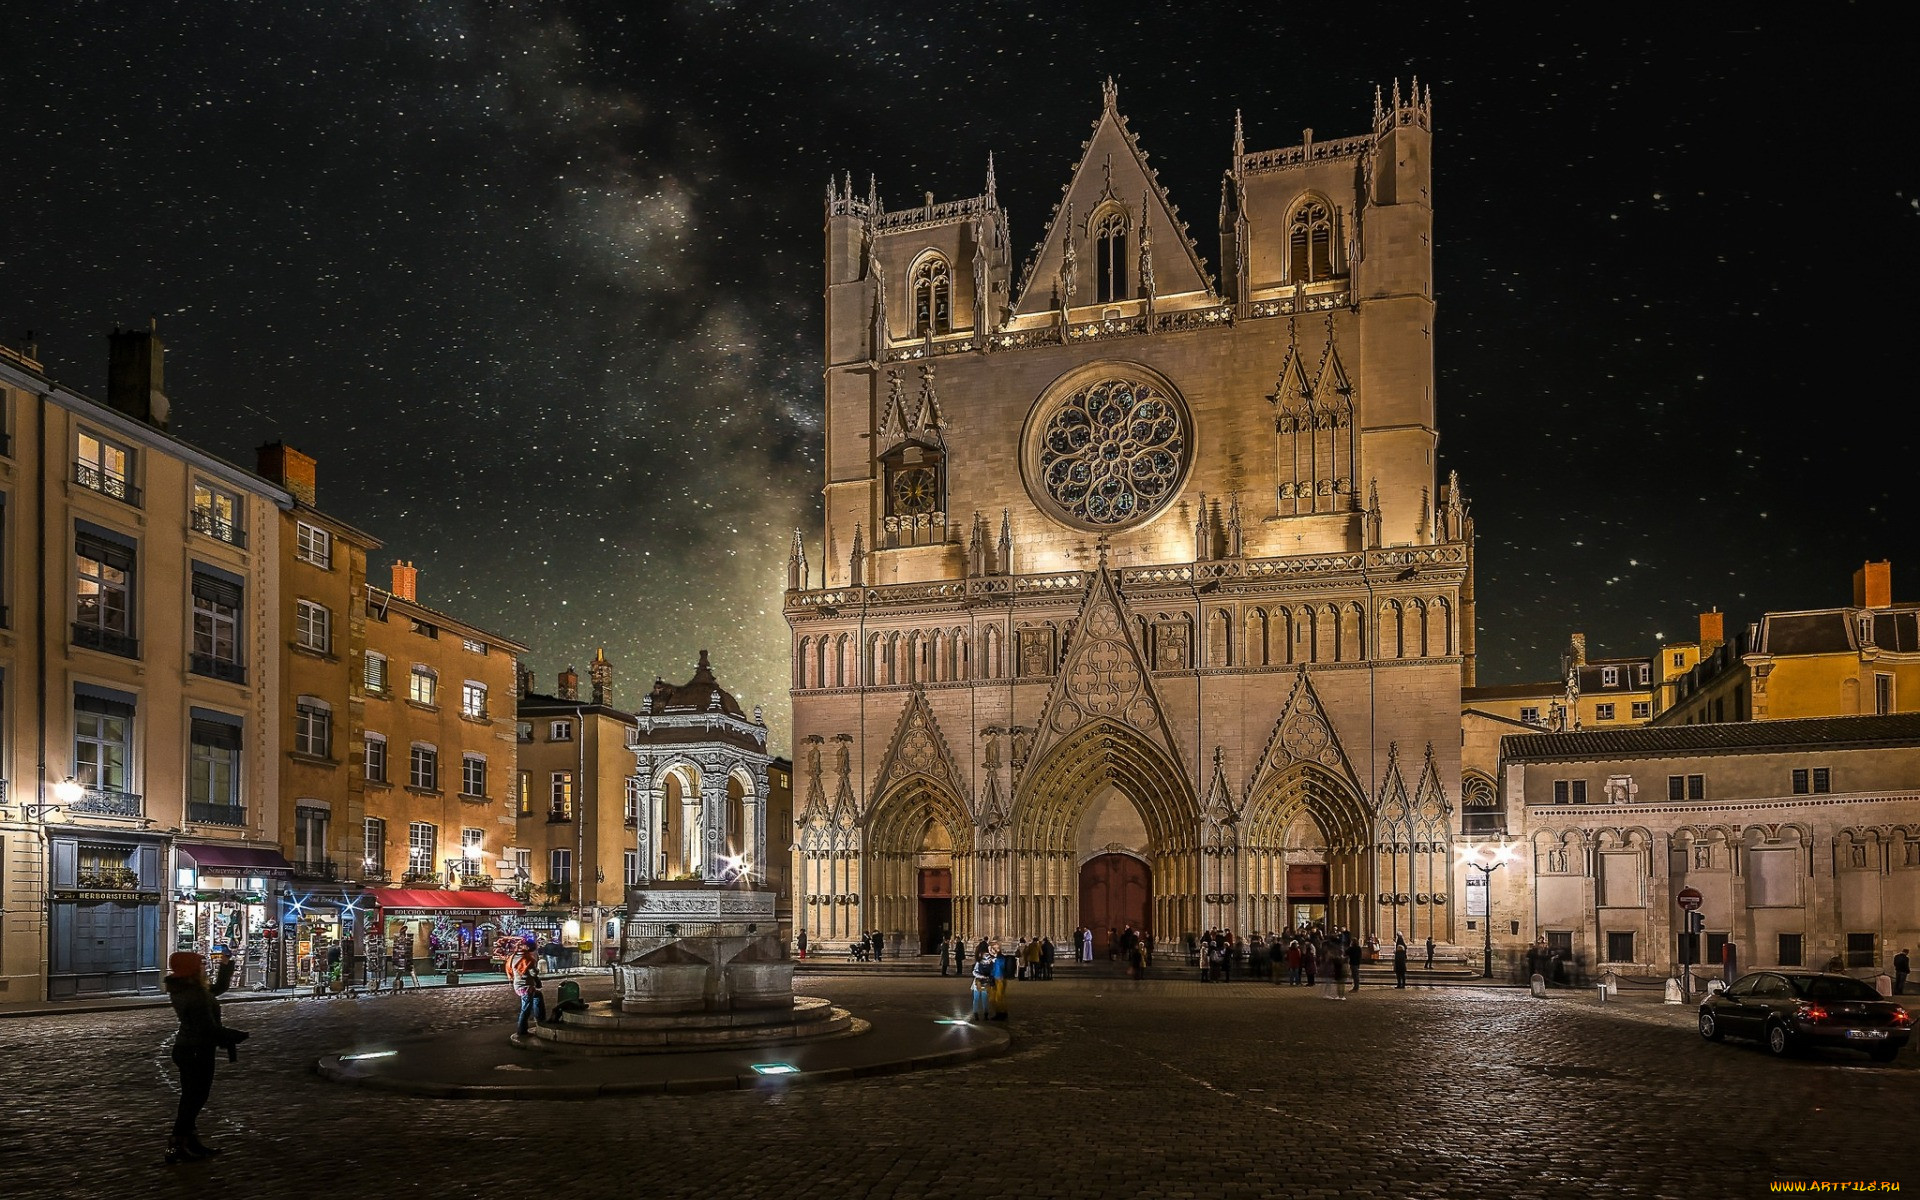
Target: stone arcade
[(1138, 599)]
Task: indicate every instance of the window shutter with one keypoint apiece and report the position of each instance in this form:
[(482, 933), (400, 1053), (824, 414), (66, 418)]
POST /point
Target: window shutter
[(99, 549), (215, 733), (215, 591)]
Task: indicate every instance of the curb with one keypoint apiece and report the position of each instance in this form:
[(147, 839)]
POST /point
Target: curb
[(328, 1068), (232, 997)]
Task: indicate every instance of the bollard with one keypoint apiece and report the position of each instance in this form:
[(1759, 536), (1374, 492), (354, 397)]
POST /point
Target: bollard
[(1673, 992), (1601, 989), (1540, 986), (1611, 982)]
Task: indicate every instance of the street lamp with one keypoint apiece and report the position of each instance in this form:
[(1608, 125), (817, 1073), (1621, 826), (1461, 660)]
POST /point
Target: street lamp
[(1470, 856)]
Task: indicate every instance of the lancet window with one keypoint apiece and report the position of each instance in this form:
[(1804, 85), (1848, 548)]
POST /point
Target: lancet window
[(1310, 256), (1109, 232), (932, 297)]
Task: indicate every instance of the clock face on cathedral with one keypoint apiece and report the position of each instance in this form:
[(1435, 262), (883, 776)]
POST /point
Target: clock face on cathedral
[(1106, 448)]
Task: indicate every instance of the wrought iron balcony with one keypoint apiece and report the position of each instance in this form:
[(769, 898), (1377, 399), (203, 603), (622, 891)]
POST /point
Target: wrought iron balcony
[(112, 641), (106, 483), (201, 813), (322, 869), (375, 875), (217, 668), (218, 528), (559, 816), (108, 802)]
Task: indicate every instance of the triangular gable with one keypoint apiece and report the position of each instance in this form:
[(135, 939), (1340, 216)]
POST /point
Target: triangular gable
[(1292, 391), (1303, 734), (894, 421), (846, 806), (1104, 676), (1112, 170), (815, 811), (1430, 798), (1393, 794), (993, 807), (1332, 389), (1219, 808), (918, 748)]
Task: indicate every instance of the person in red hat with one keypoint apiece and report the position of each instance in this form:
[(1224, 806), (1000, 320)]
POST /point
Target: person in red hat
[(200, 1035)]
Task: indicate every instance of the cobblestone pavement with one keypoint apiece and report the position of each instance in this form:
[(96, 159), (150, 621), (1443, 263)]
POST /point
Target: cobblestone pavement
[(1167, 1088)]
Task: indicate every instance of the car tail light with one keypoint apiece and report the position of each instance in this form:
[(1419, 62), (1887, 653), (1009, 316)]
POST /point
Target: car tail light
[(1813, 1012), (1902, 1017)]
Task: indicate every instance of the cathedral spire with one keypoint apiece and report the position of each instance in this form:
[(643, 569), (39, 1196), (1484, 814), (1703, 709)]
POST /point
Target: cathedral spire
[(1202, 536), (856, 560), (993, 198), (1146, 249), (1239, 142), (797, 565), (1235, 545), (1006, 541)]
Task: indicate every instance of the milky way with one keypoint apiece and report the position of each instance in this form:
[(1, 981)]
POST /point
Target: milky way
[(539, 285)]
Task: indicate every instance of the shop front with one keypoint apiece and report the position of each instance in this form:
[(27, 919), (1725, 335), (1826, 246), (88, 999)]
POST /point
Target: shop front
[(103, 913), (226, 900), (446, 930)]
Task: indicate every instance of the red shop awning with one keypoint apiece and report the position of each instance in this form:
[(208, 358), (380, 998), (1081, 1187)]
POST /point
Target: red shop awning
[(441, 902), (227, 858)]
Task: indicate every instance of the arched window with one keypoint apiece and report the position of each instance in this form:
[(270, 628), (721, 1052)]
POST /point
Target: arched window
[(1109, 232), (1310, 243), (932, 297)]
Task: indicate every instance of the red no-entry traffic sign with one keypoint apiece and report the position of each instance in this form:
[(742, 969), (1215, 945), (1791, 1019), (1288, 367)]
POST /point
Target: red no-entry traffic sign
[(1688, 898)]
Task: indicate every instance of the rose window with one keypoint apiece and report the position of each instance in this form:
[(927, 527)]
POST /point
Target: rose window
[(1112, 452)]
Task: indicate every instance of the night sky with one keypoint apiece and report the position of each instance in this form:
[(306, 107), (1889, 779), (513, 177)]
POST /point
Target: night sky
[(539, 284)]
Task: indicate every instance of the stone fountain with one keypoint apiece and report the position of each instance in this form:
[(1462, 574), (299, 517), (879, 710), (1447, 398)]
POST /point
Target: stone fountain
[(701, 966)]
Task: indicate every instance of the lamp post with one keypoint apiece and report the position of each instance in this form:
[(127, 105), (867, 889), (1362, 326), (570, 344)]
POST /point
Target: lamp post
[(1470, 856)]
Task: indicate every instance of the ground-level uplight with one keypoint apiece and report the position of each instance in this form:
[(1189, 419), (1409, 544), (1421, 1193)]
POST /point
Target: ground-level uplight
[(776, 1069), (368, 1054)]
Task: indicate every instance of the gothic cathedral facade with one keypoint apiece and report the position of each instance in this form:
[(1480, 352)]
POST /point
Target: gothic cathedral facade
[(1138, 600)]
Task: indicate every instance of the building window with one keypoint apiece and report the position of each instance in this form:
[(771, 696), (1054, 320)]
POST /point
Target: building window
[(1642, 710), (374, 671), (631, 864), (102, 743), (1791, 950), (423, 768), (1530, 714), (216, 628), (560, 731), (1814, 781), (105, 467), (1620, 946), (425, 630), (309, 835), (422, 844), (473, 647), (523, 864), (423, 685), (1882, 694), (312, 727), (1310, 243), (631, 809), (560, 866), (314, 545), (1609, 676), (560, 807), (1679, 660), (216, 513), (473, 700), (473, 844), (932, 297), (1109, 234), (376, 758), (1686, 787), (1646, 674), (1603, 712), (524, 795), (103, 611), (1569, 791), (1716, 948), (1862, 950), (373, 848), (312, 626), (214, 773), (473, 775), (523, 731)]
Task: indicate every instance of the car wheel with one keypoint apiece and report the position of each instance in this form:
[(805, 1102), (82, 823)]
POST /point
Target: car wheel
[(1709, 1028), (1883, 1054), (1779, 1041)]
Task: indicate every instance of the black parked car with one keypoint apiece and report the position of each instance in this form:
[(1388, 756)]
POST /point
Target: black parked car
[(1789, 1009)]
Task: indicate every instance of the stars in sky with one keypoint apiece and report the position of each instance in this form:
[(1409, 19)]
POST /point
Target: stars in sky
[(539, 285)]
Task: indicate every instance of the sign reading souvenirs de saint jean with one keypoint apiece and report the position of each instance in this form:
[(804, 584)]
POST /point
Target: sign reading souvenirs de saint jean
[(1688, 898), (1477, 897), (696, 904)]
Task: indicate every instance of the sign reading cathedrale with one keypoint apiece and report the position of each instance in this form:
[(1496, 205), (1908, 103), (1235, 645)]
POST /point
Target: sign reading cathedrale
[(1477, 897)]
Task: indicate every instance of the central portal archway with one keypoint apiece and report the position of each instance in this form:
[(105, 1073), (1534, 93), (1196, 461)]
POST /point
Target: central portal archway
[(1116, 890)]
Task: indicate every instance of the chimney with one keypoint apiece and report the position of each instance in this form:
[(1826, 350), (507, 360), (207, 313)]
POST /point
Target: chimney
[(569, 685), (525, 675), (406, 581), (1873, 585), (136, 374), (1713, 631), (1579, 647), (601, 672), (290, 469)]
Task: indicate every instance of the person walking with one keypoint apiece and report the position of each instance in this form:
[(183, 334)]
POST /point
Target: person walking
[(1399, 961), (1353, 960), (523, 971), (1429, 952), (1902, 967), (800, 943), (1046, 957), (960, 959), (1004, 967), (982, 985), (200, 1034), (946, 952)]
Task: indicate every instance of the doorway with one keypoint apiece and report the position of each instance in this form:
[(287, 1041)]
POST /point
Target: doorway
[(936, 908), (1306, 896), (1116, 890)]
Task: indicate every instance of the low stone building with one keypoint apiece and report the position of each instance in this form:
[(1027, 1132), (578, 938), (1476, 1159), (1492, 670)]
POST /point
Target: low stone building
[(1802, 838)]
